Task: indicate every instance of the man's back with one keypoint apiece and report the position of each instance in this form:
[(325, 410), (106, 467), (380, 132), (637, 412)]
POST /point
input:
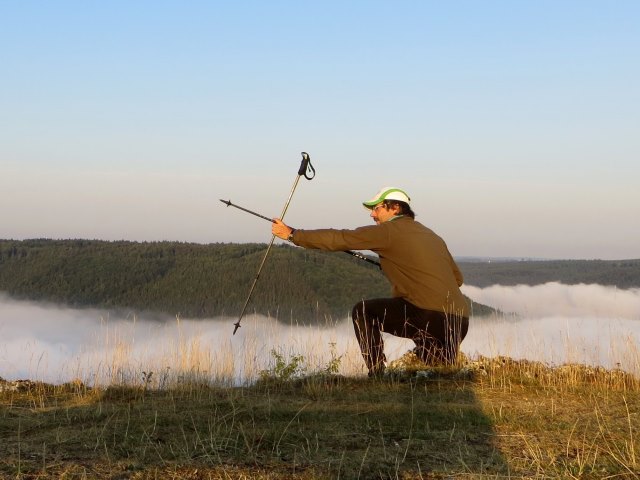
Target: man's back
[(420, 267)]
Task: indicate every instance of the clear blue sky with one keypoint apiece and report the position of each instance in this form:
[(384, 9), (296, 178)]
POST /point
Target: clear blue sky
[(513, 125)]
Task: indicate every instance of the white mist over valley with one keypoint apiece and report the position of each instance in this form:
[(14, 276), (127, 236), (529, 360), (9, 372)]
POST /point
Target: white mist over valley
[(553, 323)]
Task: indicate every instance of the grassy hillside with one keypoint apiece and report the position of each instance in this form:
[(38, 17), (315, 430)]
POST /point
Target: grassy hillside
[(505, 420), (191, 280)]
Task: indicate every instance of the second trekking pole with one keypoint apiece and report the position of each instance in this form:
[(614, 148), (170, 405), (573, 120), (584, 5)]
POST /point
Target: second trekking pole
[(306, 170)]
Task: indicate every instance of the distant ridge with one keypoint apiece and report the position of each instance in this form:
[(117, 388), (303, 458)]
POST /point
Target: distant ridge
[(617, 273), (498, 259)]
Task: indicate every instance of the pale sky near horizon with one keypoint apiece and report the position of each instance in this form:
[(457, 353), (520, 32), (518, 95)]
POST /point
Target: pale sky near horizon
[(514, 126)]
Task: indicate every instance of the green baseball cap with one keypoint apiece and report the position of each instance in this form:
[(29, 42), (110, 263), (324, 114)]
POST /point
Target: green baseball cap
[(387, 193)]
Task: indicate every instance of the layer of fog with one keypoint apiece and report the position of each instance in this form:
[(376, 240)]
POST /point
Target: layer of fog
[(56, 344), (557, 324), (553, 323)]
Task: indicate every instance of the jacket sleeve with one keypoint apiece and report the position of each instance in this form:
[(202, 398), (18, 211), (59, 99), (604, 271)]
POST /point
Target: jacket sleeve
[(363, 238)]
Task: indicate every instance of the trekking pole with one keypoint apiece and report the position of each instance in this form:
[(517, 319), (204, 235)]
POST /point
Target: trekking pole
[(229, 203), (306, 170)]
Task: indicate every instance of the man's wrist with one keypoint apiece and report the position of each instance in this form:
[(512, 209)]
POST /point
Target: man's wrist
[(290, 237)]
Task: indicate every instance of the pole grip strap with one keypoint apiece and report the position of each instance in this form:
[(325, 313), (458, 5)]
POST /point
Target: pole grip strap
[(306, 168)]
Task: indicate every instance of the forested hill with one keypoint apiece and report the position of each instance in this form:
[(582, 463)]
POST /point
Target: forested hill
[(198, 281), (618, 273), (192, 280)]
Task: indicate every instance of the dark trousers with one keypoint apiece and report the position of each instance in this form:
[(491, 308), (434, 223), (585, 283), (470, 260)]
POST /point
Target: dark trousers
[(437, 335)]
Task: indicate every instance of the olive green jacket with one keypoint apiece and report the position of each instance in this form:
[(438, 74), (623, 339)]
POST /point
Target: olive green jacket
[(416, 261)]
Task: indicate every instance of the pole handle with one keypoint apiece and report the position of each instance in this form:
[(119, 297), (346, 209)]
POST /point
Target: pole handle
[(306, 169)]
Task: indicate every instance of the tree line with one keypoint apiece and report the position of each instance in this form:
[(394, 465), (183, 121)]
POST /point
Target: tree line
[(202, 281), (188, 279)]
